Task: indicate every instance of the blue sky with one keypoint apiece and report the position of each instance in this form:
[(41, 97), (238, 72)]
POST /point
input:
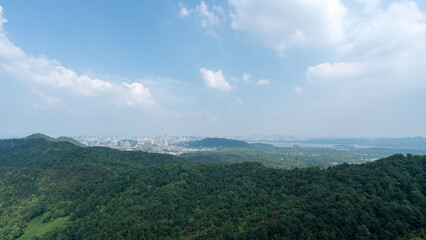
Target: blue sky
[(311, 68)]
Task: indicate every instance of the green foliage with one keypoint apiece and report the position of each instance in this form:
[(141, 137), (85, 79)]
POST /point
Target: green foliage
[(59, 139), (99, 193), (219, 143), (38, 227), (46, 217), (286, 158)]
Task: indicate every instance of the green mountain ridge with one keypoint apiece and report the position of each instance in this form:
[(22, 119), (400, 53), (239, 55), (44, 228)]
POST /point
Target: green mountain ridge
[(42, 152), (59, 139), (56, 190), (224, 143)]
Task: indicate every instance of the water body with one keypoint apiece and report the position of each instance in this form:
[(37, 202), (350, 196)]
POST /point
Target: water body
[(313, 145)]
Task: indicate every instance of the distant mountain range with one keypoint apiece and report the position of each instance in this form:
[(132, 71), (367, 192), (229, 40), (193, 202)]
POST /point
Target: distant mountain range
[(399, 143)]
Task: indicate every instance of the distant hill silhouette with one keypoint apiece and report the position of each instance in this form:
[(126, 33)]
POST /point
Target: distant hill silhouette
[(219, 143), (59, 139), (39, 150), (398, 143)]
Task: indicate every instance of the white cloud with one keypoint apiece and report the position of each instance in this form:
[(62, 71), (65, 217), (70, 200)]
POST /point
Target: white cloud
[(246, 77), (333, 71), (2, 19), (215, 79), (381, 70), (390, 46), (282, 24), (263, 82), (138, 95), (240, 101), (387, 30), (298, 90), (375, 29), (44, 71), (209, 18), (370, 6), (183, 10)]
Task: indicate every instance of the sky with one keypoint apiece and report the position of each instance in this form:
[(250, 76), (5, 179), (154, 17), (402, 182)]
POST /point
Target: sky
[(304, 68)]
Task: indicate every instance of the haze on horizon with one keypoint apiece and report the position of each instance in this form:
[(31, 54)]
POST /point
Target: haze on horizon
[(330, 68)]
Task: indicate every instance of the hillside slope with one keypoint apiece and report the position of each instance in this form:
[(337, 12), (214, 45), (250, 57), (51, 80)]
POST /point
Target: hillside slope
[(59, 139), (218, 143), (40, 152), (56, 190)]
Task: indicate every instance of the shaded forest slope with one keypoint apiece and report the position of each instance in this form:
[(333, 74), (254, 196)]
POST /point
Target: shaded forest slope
[(99, 193)]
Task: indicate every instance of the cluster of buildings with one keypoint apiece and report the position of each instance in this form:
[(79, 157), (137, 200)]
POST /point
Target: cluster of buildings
[(159, 144), (174, 145)]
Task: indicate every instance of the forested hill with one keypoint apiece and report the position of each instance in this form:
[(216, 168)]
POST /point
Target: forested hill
[(222, 142), (59, 139), (56, 190), (39, 151)]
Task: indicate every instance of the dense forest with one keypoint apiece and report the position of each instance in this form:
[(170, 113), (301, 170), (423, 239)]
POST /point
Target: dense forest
[(218, 143), (227, 151), (57, 190)]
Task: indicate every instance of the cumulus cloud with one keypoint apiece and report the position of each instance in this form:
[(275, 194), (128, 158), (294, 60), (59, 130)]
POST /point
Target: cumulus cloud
[(2, 19), (246, 77), (390, 44), (375, 29), (138, 95), (44, 71), (215, 79), (298, 90), (332, 71), (183, 10), (370, 6), (381, 71), (263, 82), (398, 26), (283, 24), (210, 17)]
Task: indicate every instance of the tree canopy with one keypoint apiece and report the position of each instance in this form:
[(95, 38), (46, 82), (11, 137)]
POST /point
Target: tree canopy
[(99, 193)]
